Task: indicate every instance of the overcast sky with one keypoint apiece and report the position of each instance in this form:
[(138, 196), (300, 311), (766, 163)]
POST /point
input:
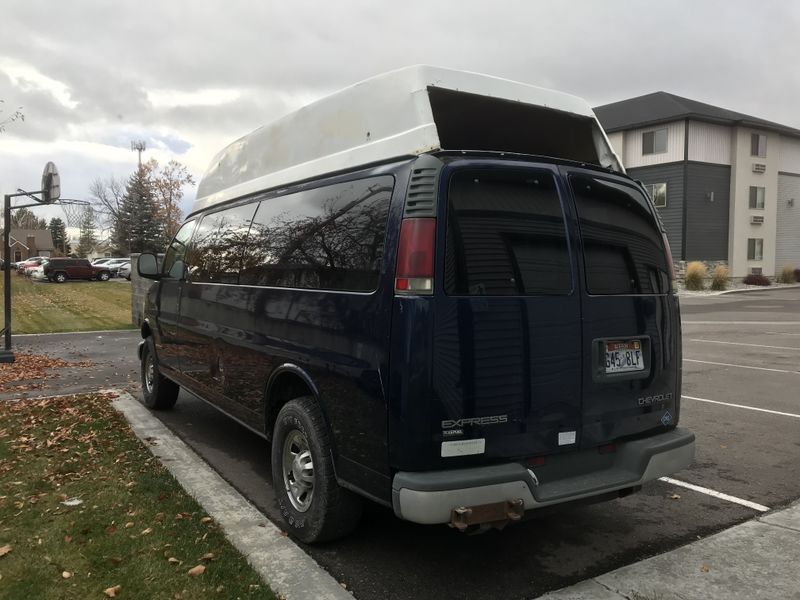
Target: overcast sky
[(190, 77)]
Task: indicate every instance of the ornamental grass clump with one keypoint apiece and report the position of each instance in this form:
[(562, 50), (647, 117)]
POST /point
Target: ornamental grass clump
[(787, 274), (719, 281), (695, 276)]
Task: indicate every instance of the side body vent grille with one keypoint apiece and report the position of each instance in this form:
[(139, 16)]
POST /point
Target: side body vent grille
[(421, 196)]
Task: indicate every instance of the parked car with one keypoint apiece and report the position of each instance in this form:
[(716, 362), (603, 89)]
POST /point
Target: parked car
[(37, 273), (102, 261), (34, 261), (114, 264), (62, 269), (465, 336), (125, 271)]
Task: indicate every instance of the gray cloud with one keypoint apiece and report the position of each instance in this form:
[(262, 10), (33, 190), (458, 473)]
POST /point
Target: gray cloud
[(734, 54)]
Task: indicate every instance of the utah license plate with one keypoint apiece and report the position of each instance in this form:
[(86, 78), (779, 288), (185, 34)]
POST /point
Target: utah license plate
[(624, 356)]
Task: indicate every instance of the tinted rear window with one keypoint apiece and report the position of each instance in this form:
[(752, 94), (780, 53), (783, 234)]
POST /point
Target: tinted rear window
[(622, 245), (505, 235)]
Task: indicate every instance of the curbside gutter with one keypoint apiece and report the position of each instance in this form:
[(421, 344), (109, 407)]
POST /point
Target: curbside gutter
[(290, 572)]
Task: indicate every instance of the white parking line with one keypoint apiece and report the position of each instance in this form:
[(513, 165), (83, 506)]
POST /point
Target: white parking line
[(708, 362), (780, 333), (715, 494), (743, 344), (741, 322), (765, 410)]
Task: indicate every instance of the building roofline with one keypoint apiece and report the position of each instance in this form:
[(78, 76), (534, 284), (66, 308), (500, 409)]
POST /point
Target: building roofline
[(680, 109)]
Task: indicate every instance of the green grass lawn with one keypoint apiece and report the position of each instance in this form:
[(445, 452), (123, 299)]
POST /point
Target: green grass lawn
[(86, 511), (43, 307)]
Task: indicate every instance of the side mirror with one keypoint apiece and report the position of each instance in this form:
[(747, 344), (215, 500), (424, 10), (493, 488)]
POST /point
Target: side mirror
[(147, 266)]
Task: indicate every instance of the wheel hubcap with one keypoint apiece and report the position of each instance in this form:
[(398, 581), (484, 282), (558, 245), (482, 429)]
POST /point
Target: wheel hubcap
[(298, 471), (149, 373)]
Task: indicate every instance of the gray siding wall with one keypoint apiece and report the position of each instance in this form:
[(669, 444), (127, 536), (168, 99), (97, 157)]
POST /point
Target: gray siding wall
[(787, 235), (707, 222), (672, 214)]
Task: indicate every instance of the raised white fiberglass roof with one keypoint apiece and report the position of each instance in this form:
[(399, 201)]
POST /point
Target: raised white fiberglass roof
[(406, 112)]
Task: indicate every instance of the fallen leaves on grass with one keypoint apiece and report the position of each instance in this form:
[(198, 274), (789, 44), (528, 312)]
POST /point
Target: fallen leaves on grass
[(5, 549), (196, 571), (32, 369), (112, 592)]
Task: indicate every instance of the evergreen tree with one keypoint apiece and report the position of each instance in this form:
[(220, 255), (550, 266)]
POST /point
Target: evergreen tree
[(138, 228), (87, 240), (58, 230)]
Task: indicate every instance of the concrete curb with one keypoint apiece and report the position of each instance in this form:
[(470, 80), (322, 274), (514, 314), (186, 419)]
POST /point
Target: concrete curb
[(288, 570), (751, 561), (766, 288)]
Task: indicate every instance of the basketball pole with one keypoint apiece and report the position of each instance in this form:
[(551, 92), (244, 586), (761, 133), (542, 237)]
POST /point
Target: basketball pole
[(50, 192), (6, 354)]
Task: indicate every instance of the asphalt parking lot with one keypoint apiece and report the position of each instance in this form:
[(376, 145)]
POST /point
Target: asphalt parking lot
[(741, 376)]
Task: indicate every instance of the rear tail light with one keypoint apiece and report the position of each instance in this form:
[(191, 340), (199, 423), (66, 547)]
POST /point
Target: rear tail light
[(669, 257), (414, 272)]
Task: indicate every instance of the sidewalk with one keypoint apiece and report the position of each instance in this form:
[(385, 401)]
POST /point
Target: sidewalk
[(756, 560)]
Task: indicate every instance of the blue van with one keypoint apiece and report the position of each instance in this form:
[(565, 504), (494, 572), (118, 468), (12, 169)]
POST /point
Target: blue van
[(435, 290)]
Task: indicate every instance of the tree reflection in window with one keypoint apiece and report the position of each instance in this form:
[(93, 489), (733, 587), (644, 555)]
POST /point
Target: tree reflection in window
[(328, 238), (218, 244)]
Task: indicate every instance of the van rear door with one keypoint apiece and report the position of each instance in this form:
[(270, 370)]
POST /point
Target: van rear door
[(507, 324), (631, 320)]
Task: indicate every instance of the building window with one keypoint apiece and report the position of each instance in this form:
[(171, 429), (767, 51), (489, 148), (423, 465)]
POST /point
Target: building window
[(758, 145), (756, 270), (756, 197), (654, 142), (658, 192), (755, 249)]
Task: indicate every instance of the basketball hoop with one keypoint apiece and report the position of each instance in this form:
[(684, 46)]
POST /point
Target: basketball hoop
[(73, 211)]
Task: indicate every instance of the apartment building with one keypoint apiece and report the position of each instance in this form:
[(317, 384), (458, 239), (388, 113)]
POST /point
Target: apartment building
[(727, 185)]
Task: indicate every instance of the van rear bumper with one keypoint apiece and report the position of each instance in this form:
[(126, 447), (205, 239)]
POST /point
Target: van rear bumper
[(431, 496)]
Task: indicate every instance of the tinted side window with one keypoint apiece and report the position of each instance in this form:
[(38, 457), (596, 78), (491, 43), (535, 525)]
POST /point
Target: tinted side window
[(622, 245), (176, 252), (218, 244), (328, 238), (505, 235)]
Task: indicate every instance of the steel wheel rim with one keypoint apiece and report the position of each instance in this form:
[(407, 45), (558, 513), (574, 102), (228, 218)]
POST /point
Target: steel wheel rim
[(149, 373), (298, 470)]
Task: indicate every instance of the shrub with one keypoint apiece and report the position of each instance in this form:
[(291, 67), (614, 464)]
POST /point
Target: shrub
[(720, 278), (754, 279), (695, 275), (797, 275), (787, 274)]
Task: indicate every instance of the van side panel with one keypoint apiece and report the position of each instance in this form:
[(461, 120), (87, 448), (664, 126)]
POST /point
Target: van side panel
[(334, 339)]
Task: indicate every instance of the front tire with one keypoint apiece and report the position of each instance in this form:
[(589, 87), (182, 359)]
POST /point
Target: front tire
[(158, 392), (313, 505), (103, 276), (60, 277)]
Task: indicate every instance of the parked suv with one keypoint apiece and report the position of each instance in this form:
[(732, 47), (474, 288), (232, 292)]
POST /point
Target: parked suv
[(61, 269), (465, 336)]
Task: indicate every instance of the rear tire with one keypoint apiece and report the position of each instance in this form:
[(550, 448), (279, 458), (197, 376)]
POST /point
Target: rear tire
[(313, 505), (60, 277), (158, 392), (103, 276)]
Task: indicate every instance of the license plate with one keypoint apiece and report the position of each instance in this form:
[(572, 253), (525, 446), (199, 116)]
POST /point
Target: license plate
[(624, 356)]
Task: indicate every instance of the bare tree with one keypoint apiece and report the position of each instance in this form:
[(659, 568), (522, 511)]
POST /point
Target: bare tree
[(167, 189), (107, 197), (17, 115)]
